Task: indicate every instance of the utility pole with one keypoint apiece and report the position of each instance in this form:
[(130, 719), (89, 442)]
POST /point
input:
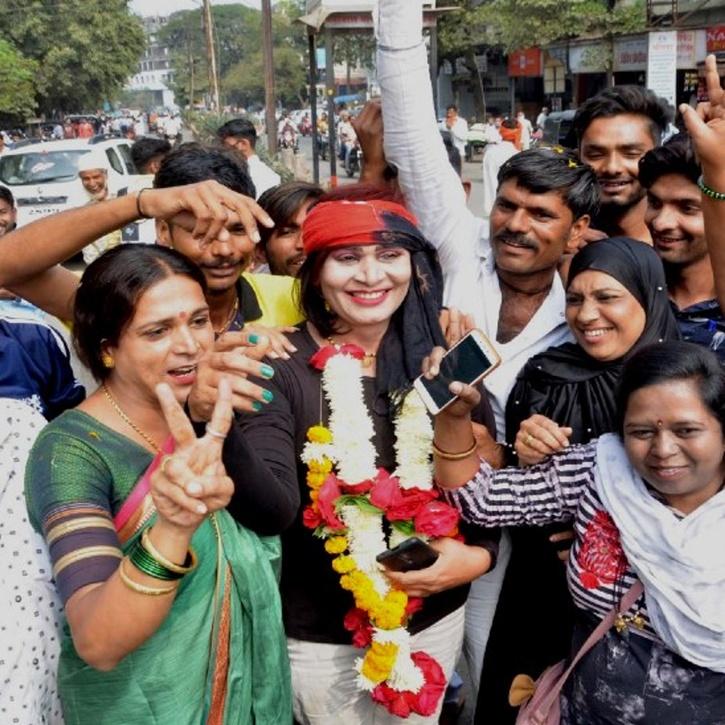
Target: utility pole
[(211, 56), (270, 120)]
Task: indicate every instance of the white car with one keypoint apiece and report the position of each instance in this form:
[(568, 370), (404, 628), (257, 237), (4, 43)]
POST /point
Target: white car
[(43, 176)]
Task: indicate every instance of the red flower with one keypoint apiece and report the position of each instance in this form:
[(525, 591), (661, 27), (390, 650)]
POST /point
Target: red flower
[(385, 490), (600, 557), (358, 622), (408, 503), (311, 517), (329, 493), (437, 518), (426, 701), (435, 684), (320, 358), (357, 488), (415, 604)]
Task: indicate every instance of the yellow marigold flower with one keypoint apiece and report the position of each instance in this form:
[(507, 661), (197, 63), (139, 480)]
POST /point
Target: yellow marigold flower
[(314, 495), (315, 480), (336, 545), (319, 434), (317, 466), (346, 582), (379, 661), (344, 564), (397, 598)]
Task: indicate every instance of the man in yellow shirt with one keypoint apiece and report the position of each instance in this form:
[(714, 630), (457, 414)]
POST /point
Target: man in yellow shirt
[(216, 203)]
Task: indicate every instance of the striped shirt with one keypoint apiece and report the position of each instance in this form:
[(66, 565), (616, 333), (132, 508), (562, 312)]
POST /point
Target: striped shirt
[(559, 489)]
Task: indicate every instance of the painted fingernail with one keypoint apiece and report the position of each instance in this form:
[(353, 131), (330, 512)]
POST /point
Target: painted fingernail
[(253, 339), (268, 396), (256, 406), (193, 488), (267, 372)]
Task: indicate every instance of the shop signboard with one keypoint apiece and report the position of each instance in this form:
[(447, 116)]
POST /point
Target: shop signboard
[(662, 64), (525, 63), (716, 39), (588, 58), (630, 54)]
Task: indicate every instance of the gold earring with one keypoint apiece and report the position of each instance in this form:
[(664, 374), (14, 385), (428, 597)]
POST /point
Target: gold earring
[(107, 361)]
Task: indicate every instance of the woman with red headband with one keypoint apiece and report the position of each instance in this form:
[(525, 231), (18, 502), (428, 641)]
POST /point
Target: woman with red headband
[(371, 290)]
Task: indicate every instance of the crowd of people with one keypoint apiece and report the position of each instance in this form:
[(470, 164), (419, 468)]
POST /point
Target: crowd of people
[(192, 536)]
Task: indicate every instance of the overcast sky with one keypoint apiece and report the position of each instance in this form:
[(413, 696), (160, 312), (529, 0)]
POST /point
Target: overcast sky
[(166, 7)]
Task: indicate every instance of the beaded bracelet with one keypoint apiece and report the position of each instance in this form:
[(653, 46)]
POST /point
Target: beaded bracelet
[(146, 563), (707, 191)]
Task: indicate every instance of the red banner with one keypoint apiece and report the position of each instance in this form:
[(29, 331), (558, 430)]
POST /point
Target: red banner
[(716, 39), (526, 63)]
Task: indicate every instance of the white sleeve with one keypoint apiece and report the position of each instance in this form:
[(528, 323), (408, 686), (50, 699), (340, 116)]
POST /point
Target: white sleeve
[(413, 144)]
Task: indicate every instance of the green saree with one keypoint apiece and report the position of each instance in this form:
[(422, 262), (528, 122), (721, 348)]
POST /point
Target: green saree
[(219, 658)]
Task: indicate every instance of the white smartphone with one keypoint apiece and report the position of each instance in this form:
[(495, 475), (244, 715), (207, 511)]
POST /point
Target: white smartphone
[(468, 361)]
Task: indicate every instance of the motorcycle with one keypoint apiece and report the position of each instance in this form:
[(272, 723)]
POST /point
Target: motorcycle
[(288, 139), (352, 160), (322, 145)]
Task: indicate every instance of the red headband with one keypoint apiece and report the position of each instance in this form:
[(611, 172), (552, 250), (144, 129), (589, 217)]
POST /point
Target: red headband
[(347, 223)]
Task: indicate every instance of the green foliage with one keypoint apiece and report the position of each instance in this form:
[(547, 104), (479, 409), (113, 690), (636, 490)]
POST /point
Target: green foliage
[(243, 85), (515, 24), (84, 50), (17, 84), (238, 35)]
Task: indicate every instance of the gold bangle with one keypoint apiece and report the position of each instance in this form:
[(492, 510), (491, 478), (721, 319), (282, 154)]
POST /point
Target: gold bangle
[(142, 588), (161, 559), (446, 456)]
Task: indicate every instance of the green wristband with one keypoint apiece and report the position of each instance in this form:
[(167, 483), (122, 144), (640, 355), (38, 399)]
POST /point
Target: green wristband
[(708, 192)]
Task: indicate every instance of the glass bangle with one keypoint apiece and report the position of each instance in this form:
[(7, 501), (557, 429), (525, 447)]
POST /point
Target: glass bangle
[(146, 563)]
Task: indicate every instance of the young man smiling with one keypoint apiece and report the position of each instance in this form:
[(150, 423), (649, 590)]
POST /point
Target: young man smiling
[(675, 220), (614, 130)]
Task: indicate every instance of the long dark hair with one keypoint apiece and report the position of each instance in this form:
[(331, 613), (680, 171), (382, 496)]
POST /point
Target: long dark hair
[(109, 292)]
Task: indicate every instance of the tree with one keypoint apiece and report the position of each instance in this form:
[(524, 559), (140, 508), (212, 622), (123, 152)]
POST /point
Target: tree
[(517, 24), (84, 50), (237, 30), (244, 83), (17, 84)]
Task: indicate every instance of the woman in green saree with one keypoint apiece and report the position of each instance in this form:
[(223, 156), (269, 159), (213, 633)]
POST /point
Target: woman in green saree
[(172, 608)]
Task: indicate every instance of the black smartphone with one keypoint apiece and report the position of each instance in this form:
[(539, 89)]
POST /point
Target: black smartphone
[(411, 555), (469, 360)]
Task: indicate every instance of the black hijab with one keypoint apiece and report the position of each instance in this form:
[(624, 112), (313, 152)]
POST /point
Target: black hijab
[(564, 383)]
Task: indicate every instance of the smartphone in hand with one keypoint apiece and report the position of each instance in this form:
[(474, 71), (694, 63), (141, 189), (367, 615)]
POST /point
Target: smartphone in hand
[(468, 361), (411, 555)]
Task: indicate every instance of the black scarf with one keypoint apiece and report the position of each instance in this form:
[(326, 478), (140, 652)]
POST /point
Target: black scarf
[(564, 383)]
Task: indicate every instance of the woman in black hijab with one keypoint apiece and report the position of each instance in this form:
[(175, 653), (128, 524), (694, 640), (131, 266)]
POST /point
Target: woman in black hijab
[(616, 304)]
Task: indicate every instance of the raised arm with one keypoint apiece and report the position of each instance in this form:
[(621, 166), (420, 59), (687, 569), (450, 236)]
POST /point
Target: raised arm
[(707, 129), (413, 143), (29, 255)]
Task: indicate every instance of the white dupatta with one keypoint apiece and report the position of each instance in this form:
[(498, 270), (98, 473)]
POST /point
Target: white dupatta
[(680, 561)]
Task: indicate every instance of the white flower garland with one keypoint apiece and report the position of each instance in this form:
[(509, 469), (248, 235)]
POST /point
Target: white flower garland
[(354, 454)]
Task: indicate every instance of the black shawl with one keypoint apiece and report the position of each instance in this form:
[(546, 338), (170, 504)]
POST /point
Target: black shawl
[(564, 383)]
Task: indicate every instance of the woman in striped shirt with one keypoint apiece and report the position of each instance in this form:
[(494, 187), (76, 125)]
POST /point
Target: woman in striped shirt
[(647, 503)]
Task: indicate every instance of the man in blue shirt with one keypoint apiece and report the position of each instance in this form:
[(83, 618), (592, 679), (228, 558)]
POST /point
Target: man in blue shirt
[(674, 218)]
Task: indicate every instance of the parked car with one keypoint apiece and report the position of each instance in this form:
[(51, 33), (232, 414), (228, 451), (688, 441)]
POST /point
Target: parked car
[(43, 175), (558, 129)]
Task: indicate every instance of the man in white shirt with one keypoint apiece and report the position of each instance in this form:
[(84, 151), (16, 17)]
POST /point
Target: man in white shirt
[(509, 284), (526, 130), (495, 155), (239, 134), (458, 127)]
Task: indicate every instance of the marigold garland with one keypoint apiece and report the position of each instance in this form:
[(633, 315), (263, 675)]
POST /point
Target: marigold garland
[(349, 500)]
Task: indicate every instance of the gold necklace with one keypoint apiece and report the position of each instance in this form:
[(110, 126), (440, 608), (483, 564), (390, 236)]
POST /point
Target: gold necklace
[(230, 319), (368, 357), (127, 420)]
